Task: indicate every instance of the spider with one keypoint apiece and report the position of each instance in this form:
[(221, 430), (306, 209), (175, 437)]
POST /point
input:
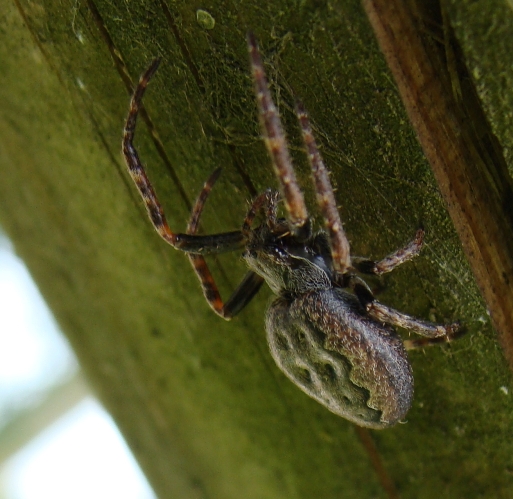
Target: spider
[(325, 329)]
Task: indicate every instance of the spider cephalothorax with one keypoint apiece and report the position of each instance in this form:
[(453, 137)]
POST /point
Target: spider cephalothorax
[(325, 330)]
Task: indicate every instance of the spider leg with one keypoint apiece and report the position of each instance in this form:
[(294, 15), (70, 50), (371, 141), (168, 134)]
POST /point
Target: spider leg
[(340, 250), (243, 294), (387, 315), (274, 138), (246, 289), (216, 243), (419, 343), (390, 262), (268, 200), (197, 209)]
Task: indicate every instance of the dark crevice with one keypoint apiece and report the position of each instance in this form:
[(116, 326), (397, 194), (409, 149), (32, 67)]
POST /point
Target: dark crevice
[(119, 168), (37, 41), (127, 80), (466, 158), (239, 166), (183, 47), (370, 447), (96, 127), (202, 87)]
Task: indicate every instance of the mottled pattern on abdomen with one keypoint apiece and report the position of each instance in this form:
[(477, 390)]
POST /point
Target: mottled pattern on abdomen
[(325, 344)]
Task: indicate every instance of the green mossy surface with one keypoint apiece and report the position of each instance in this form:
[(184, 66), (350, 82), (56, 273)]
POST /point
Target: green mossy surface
[(199, 400), (484, 31)]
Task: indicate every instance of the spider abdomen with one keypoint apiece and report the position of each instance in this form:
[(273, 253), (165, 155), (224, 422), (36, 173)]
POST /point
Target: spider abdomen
[(351, 364)]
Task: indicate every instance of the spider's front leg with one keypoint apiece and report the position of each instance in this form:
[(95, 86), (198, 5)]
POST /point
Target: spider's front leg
[(217, 243), (294, 202), (274, 139), (190, 242)]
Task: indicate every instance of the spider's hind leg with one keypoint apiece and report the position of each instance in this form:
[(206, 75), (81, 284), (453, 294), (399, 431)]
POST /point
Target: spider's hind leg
[(246, 289), (432, 332), (393, 260), (419, 343)]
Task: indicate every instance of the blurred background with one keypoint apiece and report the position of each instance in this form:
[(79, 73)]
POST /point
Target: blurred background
[(56, 440)]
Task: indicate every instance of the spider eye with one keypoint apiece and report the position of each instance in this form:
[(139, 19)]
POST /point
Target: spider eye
[(277, 252)]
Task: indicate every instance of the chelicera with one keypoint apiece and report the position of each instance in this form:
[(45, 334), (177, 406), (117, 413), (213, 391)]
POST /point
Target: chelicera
[(325, 329)]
